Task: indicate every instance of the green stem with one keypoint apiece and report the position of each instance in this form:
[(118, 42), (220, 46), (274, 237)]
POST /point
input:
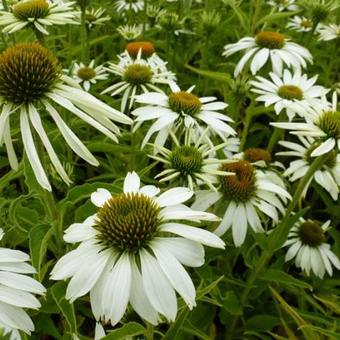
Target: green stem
[(149, 332), (40, 37), (276, 240), (84, 35), (49, 203), (257, 11), (276, 135), (145, 16), (247, 121)]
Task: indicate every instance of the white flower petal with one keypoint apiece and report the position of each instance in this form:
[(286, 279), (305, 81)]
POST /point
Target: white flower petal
[(157, 287)]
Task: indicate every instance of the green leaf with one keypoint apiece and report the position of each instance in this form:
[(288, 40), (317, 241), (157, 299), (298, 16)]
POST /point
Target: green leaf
[(262, 323), (330, 334), (58, 293), (308, 333), (191, 329), (175, 328), (331, 304), (231, 303), (275, 17), (218, 76), (81, 192), (274, 275), (242, 17), (38, 242), (127, 331), (206, 290)]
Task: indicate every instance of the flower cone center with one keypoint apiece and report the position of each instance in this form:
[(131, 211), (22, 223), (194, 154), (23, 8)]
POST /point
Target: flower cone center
[(147, 48), (307, 23), (311, 234), (86, 73), (257, 154), (90, 17), (127, 221), (329, 122), (137, 74), (186, 159), (290, 92), (271, 40), (27, 72), (242, 185), (32, 9), (184, 102)]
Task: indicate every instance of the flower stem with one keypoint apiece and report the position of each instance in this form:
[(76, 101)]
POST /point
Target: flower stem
[(275, 135), (247, 121), (145, 16), (276, 241), (40, 37), (149, 332), (84, 35), (257, 11), (49, 203)]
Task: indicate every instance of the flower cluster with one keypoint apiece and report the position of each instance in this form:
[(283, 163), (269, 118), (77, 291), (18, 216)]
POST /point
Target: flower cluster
[(148, 170)]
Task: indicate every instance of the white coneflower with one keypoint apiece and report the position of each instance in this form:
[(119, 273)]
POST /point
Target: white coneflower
[(181, 109), (266, 46), (307, 243), (95, 16), (327, 177), (133, 250), (300, 24), (130, 32), (17, 291), (293, 92), (191, 164), (329, 32), (284, 5), (322, 122), (138, 75), (38, 14), (248, 193), (31, 83), (129, 5), (88, 75), (147, 51)]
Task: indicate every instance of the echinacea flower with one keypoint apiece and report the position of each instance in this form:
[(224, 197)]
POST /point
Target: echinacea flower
[(30, 84), (329, 32), (191, 164), (265, 46), (181, 109), (130, 32), (133, 250), (293, 92), (86, 75), (322, 122), (328, 176), (284, 5), (248, 193), (307, 243), (129, 5), (300, 24), (38, 14), (17, 291), (95, 16), (137, 75)]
